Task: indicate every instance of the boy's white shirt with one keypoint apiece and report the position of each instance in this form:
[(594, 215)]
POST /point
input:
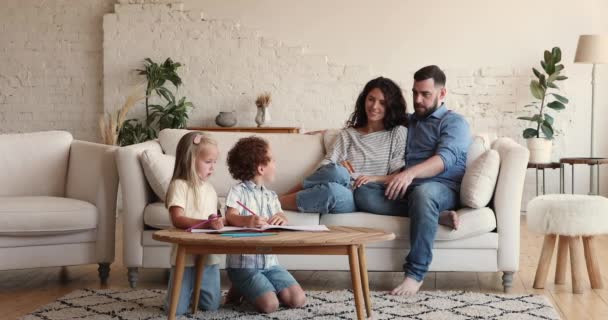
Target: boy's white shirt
[(181, 195)]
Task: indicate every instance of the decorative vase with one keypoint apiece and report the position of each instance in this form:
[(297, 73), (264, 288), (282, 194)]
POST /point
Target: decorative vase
[(226, 119), (540, 150), (262, 117)]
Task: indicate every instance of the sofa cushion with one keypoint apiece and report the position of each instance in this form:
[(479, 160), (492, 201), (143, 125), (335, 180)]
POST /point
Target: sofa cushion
[(158, 169), (26, 216), (479, 145), (479, 180), (473, 222), (296, 156), (34, 164)]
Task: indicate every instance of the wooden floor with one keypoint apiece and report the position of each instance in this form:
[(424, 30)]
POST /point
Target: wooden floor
[(22, 291)]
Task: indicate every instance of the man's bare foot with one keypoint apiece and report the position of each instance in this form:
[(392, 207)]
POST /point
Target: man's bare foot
[(450, 219), (408, 287), (233, 297)]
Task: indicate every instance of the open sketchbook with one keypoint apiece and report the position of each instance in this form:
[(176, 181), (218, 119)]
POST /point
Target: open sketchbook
[(264, 228)]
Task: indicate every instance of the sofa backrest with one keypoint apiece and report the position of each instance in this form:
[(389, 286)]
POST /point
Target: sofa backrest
[(34, 164), (296, 156)]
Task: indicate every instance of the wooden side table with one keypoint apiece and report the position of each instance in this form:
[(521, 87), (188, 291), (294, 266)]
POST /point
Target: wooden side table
[(541, 167), (249, 129), (591, 162)]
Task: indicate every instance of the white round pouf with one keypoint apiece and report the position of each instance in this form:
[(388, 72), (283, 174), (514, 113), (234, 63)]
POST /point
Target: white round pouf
[(567, 217), (568, 214)]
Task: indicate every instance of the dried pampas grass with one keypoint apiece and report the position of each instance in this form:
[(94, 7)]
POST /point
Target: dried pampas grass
[(263, 100), (111, 123)]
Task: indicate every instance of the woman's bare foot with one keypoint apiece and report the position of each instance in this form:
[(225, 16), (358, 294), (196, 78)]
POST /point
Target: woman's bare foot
[(408, 287), (233, 297), (450, 219)]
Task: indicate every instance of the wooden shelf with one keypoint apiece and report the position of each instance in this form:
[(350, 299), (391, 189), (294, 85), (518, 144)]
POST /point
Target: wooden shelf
[(249, 129)]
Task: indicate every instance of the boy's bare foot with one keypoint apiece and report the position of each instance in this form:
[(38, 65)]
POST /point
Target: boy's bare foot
[(233, 297), (450, 219), (408, 287)]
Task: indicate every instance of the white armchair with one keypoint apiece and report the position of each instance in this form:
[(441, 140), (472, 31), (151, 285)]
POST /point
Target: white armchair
[(57, 202)]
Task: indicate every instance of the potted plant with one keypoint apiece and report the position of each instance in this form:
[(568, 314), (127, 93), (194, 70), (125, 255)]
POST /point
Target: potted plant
[(543, 88), (172, 114)]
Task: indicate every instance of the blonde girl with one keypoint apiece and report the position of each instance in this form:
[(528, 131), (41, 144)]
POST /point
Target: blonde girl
[(191, 201)]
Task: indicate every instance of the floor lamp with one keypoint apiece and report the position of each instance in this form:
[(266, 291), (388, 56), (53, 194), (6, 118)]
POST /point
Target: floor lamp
[(592, 49)]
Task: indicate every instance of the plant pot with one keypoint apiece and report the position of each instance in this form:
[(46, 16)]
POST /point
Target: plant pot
[(540, 150), (226, 119)]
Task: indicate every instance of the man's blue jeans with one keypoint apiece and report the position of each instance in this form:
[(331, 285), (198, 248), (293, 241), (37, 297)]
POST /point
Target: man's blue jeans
[(327, 191), (422, 204)]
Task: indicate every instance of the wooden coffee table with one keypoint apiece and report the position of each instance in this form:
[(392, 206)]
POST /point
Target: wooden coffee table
[(349, 241)]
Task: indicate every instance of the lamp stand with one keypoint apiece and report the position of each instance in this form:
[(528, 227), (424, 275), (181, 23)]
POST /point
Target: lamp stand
[(591, 171)]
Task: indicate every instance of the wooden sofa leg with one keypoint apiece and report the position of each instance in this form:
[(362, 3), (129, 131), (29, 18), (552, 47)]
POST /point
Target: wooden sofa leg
[(104, 272), (507, 281), (132, 273)]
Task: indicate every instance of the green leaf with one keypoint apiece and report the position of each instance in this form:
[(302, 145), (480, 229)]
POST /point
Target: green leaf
[(547, 130), (548, 58), (560, 98), (559, 68), (535, 118), (548, 119), (557, 54), (556, 105), (536, 73), (544, 65), (165, 93), (530, 133), (543, 81), (552, 85), (537, 91), (560, 78)]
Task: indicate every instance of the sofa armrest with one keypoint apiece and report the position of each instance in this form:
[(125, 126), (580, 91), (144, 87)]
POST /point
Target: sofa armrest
[(507, 201), (92, 177), (136, 194)]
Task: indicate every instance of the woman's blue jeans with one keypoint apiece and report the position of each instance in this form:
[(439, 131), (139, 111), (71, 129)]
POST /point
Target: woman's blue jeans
[(327, 191)]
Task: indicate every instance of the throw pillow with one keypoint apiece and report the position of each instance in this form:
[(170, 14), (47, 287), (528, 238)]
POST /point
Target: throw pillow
[(158, 169), (479, 180)]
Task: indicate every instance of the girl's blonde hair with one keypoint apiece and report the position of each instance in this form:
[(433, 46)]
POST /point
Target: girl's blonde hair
[(188, 148)]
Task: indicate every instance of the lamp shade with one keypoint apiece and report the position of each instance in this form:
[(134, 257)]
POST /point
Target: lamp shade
[(592, 49)]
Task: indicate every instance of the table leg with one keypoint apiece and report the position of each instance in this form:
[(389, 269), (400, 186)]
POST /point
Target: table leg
[(198, 278), (536, 181), (353, 259), (365, 280), (572, 178), (177, 280), (562, 182), (598, 180), (544, 183)]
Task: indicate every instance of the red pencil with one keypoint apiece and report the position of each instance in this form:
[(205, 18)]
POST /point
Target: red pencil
[(245, 207), (202, 223)]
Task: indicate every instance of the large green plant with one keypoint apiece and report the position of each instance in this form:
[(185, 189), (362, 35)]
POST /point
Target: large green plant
[(540, 88), (173, 114)]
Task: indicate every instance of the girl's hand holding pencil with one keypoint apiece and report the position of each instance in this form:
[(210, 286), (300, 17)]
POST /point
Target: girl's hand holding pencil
[(214, 222)]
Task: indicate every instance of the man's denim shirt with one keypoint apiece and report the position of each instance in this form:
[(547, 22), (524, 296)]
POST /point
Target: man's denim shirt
[(443, 133)]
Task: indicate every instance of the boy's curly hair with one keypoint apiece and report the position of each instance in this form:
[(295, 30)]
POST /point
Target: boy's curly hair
[(245, 157)]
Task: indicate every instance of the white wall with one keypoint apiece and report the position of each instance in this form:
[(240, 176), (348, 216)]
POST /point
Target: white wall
[(486, 47), (51, 75), (51, 66)]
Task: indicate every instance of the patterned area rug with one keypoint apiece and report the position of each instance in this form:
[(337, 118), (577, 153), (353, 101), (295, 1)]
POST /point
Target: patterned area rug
[(452, 305)]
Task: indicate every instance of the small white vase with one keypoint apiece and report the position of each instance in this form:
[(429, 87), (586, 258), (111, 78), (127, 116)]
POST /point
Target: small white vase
[(262, 117), (540, 150)]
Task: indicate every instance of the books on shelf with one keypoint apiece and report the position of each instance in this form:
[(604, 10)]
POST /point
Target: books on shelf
[(264, 228)]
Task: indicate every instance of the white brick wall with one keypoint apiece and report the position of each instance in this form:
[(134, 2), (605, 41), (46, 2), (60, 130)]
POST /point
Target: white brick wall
[(51, 70), (228, 64)]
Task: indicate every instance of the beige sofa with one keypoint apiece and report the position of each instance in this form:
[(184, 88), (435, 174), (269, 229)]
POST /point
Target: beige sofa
[(488, 240), (57, 202)]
